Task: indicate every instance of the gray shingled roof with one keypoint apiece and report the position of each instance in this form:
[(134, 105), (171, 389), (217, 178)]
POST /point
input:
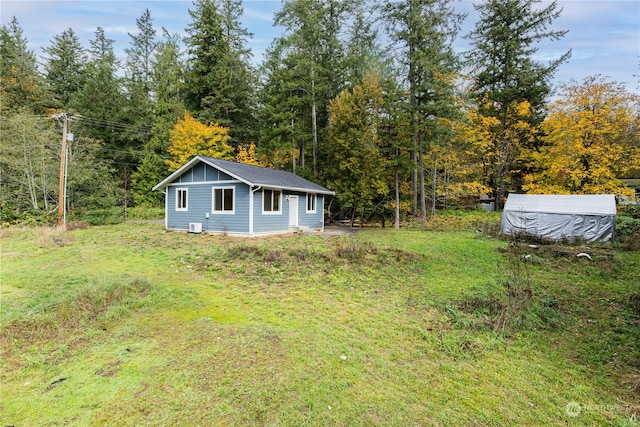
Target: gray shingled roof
[(255, 175)]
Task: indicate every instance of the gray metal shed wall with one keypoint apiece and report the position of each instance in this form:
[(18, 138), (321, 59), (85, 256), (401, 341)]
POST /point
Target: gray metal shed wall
[(551, 226)]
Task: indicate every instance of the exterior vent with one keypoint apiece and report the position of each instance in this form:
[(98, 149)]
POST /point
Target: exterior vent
[(195, 227)]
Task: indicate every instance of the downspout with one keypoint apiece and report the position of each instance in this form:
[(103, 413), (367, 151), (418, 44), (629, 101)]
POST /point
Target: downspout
[(166, 209), (251, 233)]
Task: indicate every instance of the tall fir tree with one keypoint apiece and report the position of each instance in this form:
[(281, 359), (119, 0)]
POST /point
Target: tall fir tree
[(101, 119), (424, 30), (64, 67), (139, 74), (506, 75), (220, 80), (362, 50), (167, 83), (101, 96), (20, 81), (305, 68)]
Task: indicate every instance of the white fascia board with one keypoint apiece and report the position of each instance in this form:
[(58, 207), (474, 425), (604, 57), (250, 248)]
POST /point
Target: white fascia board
[(165, 182), (184, 184), (239, 178), (305, 190)]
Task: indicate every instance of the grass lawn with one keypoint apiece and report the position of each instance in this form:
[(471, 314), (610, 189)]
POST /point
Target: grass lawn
[(130, 325)]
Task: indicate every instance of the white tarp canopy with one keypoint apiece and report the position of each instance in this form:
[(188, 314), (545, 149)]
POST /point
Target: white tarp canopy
[(554, 217)]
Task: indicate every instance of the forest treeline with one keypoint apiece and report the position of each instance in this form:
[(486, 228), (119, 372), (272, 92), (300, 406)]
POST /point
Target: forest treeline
[(365, 97)]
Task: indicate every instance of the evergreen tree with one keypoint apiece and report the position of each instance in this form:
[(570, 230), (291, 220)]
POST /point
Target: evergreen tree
[(304, 70), (424, 30), (506, 75), (167, 83), (362, 52), (141, 51), (139, 72), (101, 96), (283, 135), (219, 79), (64, 67), (103, 121), (20, 82)]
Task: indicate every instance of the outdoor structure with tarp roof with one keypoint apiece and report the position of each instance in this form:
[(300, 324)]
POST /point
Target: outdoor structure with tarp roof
[(555, 217)]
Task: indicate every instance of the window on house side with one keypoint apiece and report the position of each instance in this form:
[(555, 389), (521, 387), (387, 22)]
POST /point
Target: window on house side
[(311, 202), (271, 200), (181, 199), (223, 200)]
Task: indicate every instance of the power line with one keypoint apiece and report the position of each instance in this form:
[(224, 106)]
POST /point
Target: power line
[(92, 121), (84, 149), (107, 124)]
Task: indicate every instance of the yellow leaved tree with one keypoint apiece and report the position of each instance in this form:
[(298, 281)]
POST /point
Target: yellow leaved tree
[(500, 145), (590, 143), (357, 171), (248, 156), (190, 137)]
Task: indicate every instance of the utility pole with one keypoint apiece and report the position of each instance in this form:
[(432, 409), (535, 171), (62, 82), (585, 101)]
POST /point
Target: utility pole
[(62, 188)]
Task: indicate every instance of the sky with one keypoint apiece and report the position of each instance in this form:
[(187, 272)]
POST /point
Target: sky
[(604, 35)]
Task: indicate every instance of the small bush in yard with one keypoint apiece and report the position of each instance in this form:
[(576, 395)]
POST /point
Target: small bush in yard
[(628, 232), (626, 225)]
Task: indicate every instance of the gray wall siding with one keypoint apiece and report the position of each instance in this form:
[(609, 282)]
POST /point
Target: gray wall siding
[(201, 179), (200, 202), (197, 172), (311, 220), (230, 223), (213, 174), (269, 223)]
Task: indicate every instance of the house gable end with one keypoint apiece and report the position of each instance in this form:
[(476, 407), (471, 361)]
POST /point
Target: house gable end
[(195, 171)]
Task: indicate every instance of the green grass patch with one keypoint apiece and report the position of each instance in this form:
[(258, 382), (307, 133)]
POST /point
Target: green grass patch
[(130, 325)]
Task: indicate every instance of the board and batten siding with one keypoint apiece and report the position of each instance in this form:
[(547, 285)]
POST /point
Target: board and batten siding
[(202, 173)]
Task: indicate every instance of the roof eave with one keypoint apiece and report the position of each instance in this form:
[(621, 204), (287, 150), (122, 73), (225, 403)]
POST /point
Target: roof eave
[(168, 180), (221, 169), (309, 190)]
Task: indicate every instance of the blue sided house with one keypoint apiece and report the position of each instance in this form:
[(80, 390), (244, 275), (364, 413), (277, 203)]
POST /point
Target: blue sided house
[(219, 196)]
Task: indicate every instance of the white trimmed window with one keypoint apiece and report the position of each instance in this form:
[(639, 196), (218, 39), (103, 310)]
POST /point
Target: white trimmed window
[(311, 202), (182, 197), (223, 200), (271, 201)]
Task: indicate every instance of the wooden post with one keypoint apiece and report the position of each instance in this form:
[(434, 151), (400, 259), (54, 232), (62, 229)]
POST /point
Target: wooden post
[(62, 187)]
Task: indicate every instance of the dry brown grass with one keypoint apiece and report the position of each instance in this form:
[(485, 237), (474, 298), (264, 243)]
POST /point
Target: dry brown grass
[(53, 236)]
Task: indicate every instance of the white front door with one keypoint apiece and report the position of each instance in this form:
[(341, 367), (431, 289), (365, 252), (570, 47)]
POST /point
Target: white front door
[(293, 211)]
